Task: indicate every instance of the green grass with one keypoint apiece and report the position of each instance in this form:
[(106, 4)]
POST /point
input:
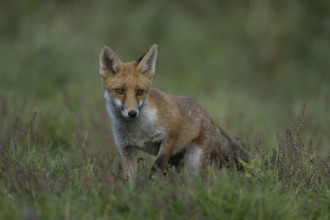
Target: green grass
[(260, 68)]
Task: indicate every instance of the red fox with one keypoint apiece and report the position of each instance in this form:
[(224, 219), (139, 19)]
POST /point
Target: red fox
[(174, 128)]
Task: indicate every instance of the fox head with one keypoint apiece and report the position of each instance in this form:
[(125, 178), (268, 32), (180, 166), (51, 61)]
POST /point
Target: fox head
[(127, 84)]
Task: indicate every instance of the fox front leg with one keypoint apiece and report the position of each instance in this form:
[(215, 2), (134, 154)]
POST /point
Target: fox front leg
[(163, 157), (129, 165)]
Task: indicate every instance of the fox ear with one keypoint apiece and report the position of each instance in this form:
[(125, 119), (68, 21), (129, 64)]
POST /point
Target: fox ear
[(109, 62), (147, 63)]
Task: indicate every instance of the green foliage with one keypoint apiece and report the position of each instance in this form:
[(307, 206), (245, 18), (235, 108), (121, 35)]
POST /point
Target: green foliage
[(260, 67)]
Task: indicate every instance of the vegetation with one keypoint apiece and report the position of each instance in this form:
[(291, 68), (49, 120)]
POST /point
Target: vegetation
[(260, 67)]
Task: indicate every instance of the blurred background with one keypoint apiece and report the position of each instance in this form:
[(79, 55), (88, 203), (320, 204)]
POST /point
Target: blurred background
[(252, 64)]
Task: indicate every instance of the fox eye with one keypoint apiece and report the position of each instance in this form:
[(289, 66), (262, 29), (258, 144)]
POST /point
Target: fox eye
[(119, 91), (139, 92)]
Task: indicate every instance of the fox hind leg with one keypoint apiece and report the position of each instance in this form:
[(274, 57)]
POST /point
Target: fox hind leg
[(194, 158)]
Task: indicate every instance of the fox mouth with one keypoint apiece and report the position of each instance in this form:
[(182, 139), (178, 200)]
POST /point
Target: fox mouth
[(128, 118)]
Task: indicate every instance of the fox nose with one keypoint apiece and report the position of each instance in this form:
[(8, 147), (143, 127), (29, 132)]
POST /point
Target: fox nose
[(132, 114)]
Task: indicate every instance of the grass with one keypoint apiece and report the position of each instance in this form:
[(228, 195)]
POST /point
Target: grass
[(260, 68), (70, 181)]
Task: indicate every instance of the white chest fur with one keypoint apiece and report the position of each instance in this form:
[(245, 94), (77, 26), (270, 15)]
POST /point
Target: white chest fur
[(142, 132)]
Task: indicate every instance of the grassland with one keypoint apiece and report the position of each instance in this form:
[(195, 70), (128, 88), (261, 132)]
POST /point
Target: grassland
[(260, 67)]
